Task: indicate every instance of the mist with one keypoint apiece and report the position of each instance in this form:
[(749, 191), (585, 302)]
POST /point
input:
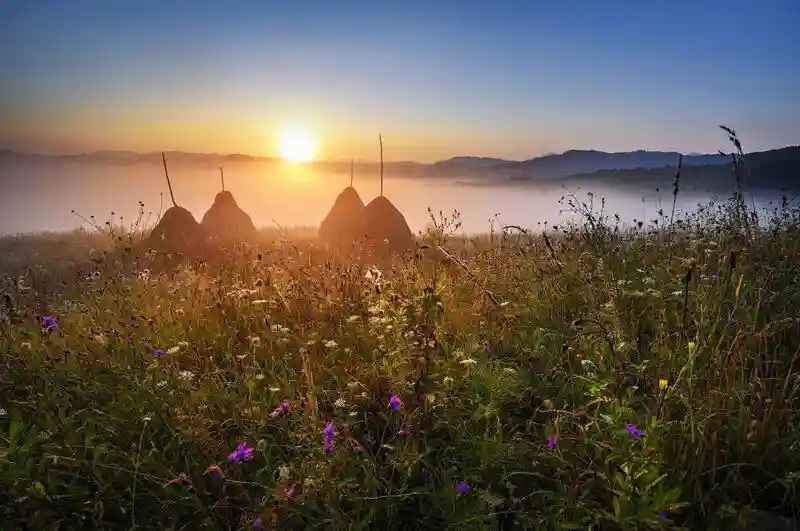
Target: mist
[(40, 196)]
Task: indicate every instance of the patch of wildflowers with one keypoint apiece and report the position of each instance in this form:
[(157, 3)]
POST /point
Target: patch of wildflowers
[(242, 453), (395, 403), (634, 431), (50, 323)]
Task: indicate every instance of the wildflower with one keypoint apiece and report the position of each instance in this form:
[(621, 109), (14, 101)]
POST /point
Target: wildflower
[(330, 343), (50, 323), (341, 403), (187, 376), (3, 412), (663, 384), (403, 433), (663, 515), (285, 406), (259, 377), (463, 487), (242, 453), (395, 403), (258, 525), (147, 418), (289, 493), (352, 384), (634, 431), (692, 346), (158, 352), (357, 449), (329, 432), (216, 470), (587, 364), (161, 384), (447, 380), (283, 473), (259, 302), (468, 361), (255, 341), (552, 441), (274, 389), (353, 318), (174, 350)]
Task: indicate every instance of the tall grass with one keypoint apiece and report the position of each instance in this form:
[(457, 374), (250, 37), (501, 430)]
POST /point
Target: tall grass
[(590, 377)]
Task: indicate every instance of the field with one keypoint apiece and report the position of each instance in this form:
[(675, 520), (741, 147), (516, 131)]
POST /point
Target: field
[(587, 377)]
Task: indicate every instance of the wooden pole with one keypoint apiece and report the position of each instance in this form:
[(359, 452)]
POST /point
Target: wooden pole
[(222, 178), (352, 162), (169, 184), (380, 140)]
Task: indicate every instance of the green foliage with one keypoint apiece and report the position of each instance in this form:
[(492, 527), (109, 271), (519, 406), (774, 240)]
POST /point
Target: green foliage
[(496, 345)]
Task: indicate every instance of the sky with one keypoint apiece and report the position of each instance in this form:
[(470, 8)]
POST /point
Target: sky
[(437, 78)]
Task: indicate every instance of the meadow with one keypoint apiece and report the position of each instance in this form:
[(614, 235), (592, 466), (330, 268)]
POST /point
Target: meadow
[(588, 376)]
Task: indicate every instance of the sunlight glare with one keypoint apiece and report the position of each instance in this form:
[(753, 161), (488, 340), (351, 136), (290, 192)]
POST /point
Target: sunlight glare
[(297, 144)]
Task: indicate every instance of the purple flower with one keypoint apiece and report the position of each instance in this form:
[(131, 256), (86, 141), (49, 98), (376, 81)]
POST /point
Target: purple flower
[(158, 352), (395, 403), (663, 515), (50, 323), (552, 441), (326, 446), (463, 487), (242, 453), (403, 433), (330, 431), (289, 493), (258, 525), (634, 431), (216, 470), (285, 406)]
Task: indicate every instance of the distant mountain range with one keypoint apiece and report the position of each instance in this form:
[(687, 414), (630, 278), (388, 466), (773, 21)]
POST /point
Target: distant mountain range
[(777, 167)]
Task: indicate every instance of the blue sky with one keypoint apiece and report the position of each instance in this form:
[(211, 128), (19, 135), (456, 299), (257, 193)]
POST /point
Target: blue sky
[(438, 78)]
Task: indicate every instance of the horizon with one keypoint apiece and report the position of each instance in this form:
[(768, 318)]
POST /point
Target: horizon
[(278, 158), (500, 81)]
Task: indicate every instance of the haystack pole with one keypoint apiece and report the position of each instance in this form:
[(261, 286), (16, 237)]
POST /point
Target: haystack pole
[(381, 221)]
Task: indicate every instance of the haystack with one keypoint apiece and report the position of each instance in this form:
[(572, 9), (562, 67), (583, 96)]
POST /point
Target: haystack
[(341, 225), (177, 230), (381, 221), (226, 220)]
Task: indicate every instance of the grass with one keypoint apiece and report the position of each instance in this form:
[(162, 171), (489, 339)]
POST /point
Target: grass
[(593, 378)]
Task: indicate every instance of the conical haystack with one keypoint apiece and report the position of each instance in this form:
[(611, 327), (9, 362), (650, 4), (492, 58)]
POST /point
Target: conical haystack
[(177, 230), (381, 221), (226, 220), (341, 225)]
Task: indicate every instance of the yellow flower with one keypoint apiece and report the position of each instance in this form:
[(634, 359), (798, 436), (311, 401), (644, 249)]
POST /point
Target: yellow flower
[(692, 346), (663, 384)]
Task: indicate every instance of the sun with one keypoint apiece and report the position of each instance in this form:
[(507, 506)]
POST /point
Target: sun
[(297, 144)]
